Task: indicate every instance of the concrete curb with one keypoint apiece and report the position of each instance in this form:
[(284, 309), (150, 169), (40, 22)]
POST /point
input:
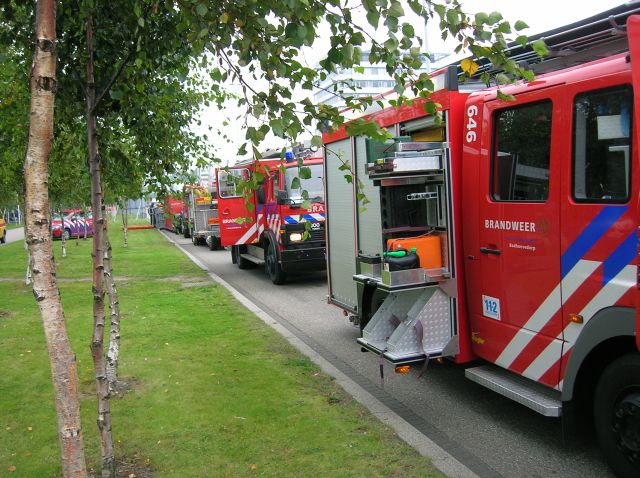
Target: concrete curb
[(442, 460)]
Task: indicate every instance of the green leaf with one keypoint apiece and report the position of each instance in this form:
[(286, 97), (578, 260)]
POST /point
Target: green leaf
[(502, 79), (528, 75), (481, 18), (453, 17), (504, 27), (202, 9), (408, 30), (316, 141), (502, 96), (305, 172), (540, 47), (494, 18), (373, 18), (396, 10), (391, 44), (295, 183), (116, 94), (520, 25)]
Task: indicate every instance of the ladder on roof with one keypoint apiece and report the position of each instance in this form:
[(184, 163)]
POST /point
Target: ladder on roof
[(593, 38)]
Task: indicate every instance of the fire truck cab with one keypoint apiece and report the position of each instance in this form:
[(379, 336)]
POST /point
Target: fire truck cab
[(507, 233), (269, 226)]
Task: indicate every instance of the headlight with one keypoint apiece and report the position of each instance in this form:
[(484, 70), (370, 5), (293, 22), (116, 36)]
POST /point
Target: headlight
[(295, 237)]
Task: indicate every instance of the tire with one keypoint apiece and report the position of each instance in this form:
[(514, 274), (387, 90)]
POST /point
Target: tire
[(67, 234), (241, 261), (3, 239), (371, 303), (274, 269), (185, 232), (214, 243), (616, 411)]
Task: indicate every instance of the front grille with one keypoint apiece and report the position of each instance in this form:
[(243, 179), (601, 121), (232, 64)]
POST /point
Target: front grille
[(316, 235)]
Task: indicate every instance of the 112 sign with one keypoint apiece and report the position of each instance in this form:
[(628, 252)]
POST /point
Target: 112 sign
[(491, 307)]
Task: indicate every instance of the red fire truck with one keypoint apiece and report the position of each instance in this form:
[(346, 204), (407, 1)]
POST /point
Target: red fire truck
[(507, 233), (172, 209), (200, 216), (270, 226)]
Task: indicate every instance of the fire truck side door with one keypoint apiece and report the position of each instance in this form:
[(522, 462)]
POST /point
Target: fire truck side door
[(599, 238), (237, 221), (517, 300)]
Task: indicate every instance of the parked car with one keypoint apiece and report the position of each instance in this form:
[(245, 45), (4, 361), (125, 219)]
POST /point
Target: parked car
[(75, 223), (3, 231)]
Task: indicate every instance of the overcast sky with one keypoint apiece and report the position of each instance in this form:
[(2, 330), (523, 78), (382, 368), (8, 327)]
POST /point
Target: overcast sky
[(540, 15)]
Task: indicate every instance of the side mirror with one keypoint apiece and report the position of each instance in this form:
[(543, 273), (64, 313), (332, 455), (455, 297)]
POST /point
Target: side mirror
[(260, 195), (282, 197)]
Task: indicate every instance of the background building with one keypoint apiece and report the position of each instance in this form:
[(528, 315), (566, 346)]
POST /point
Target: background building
[(374, 80)]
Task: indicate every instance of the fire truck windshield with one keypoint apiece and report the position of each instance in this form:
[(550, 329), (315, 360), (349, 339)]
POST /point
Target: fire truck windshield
[(313, 185)]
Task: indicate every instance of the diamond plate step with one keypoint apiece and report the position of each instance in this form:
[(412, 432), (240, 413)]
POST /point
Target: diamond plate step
[(537, 397)]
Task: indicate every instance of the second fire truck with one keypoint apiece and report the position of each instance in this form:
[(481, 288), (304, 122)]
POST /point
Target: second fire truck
[(270, 226)]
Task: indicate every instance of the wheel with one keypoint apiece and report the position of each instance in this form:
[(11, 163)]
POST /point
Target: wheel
[(185, 232), (3, 239), (241, 261), (372, 299), (274, 269), (616, 411), (214, 243), (234, 255), (66, 234)]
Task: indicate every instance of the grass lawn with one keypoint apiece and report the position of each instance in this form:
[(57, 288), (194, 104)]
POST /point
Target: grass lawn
[(214, 392)]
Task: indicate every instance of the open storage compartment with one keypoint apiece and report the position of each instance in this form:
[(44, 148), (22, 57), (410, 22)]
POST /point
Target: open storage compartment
[(414, 208), (416, 318)]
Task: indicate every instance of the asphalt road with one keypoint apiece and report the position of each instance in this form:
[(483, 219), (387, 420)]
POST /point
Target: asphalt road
[(491, 435)]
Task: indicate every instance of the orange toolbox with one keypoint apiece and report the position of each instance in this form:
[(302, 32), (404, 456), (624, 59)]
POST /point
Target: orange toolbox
[(428, 249)]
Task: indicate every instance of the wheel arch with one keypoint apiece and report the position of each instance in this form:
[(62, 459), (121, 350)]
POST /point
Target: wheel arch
[(370, 297), (607, 336), (268, 238)]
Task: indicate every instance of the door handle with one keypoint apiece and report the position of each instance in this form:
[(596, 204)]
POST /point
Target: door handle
[(487, 250), (226, 212)]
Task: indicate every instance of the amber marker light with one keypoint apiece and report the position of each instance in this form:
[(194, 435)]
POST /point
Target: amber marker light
[(403, 369), (576, 318)]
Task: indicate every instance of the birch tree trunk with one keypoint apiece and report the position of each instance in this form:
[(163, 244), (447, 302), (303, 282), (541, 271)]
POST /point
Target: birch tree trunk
[(125, 223), (39, 241), (114, 328), (108, 463), (28, 275), (62, 238)]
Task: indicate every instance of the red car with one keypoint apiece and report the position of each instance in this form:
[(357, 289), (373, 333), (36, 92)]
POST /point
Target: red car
[(73, 223)]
